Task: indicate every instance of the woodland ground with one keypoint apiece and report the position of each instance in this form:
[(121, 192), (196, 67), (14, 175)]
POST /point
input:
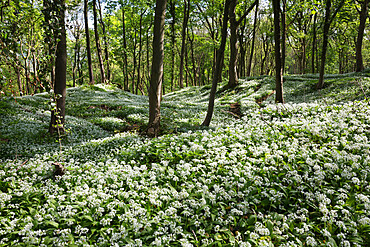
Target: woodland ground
[(296, 174)]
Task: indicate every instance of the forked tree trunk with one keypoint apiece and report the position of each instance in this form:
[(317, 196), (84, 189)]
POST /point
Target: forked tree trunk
[(218, 66), (360, 35), (234, 24), (88, 49), (58, 114), (278, 63), (327, 22), (157, 69)]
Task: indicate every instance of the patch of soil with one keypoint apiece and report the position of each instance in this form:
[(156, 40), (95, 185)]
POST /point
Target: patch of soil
[(263, 98), (235, 110)]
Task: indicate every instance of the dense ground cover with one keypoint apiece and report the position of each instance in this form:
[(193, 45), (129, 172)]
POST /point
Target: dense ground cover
[(296, 174)]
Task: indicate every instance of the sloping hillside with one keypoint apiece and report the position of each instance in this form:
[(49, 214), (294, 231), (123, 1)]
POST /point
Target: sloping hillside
[(296, 174)]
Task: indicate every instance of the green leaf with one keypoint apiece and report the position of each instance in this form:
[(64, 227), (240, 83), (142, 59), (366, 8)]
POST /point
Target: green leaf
[(332, 241), (87, 217), (270, 226), (51, 223), (252, 219)]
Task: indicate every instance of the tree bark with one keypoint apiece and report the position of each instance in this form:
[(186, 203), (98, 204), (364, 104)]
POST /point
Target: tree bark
[(173, 40), (183, 40), (253, 41), (140, 50), (97, 42), (58, 114), (88, 49), (125, 62), (314, 44), (157, 69), (283, 37), (233, 73), (327, 22), (278, 62), (102, 24), (360, 35), (218, 66), (320, 84), (234, 24)]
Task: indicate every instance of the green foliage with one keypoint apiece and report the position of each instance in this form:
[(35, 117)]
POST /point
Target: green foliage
[(284, 174)]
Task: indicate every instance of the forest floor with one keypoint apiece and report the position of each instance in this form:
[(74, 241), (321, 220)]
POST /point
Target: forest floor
[(296, 174)]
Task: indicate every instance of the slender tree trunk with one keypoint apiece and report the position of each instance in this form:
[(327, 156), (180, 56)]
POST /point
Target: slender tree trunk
[(75, 62), (106, 53), (157, 69), (97, 42), (193, 62), (320, 84), (58, 114), (19, 79), (360, 35), (218, 66), (233, 73), (265, 46), (134, 61), (242, 51), (314, 43), (253, 40), (278, 63), (283, 37), (125, 62), (173, 40), (183, 40), (140, 50), (88, 49)]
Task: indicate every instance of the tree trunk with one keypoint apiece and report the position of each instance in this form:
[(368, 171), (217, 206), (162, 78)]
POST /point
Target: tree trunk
[(105, 42), (233, 73), (218, 66), (253, 40), (183, 40), (97, 42), (134, 61), (75, 59), (360, 35), (234, 24), (19, 79), (265, 46), (242, 51), (193, 62), (157, 69), (88, 49), (320, 84), (140, 50), (278, 63), (314, 43), (58, 114), (173, 40), (283, 37), (125, 62)]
